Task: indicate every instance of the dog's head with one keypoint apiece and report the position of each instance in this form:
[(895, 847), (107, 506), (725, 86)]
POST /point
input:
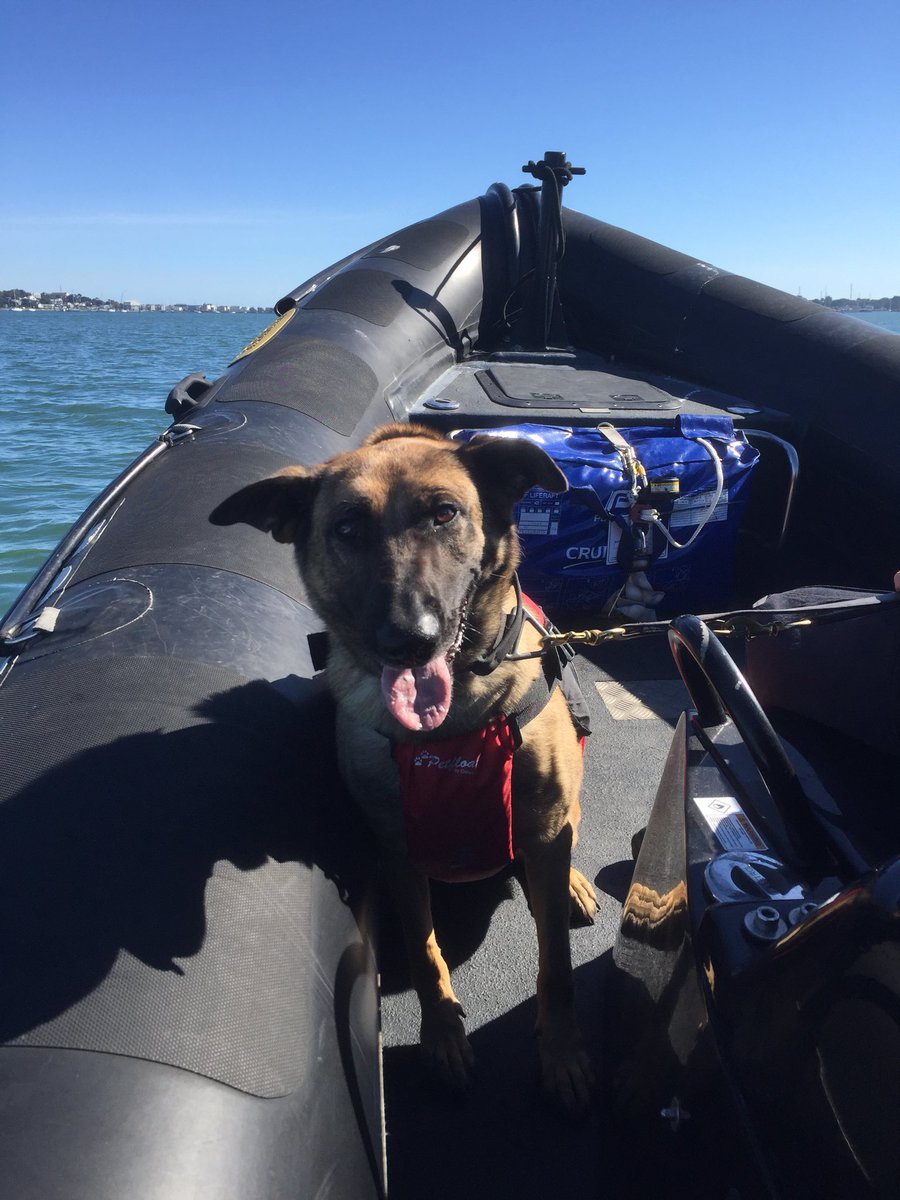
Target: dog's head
[(394, 540)]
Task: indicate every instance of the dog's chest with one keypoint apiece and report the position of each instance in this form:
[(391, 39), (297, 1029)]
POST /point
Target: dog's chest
[(456, 795)]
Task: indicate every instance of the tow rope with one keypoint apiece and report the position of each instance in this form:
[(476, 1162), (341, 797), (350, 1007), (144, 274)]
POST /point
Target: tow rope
[(745, 622)]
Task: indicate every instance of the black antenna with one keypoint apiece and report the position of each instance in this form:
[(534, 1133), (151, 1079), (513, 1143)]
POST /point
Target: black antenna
[(553, 172)]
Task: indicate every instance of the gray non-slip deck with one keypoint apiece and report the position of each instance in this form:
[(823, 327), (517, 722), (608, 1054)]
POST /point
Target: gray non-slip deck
[(504, 1138)]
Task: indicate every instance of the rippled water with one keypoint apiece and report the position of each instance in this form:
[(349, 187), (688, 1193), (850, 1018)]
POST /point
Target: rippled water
[(81, 395)]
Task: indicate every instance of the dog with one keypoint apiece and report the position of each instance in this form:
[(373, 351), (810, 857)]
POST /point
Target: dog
[(407, 548)]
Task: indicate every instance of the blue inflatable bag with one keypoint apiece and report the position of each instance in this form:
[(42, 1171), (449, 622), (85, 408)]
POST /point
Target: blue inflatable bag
[(581, 547)]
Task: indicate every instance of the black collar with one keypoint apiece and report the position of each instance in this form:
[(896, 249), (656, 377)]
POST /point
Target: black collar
[(507, 639)]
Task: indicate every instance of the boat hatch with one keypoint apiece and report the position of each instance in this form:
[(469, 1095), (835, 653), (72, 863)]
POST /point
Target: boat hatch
[(567, 388)]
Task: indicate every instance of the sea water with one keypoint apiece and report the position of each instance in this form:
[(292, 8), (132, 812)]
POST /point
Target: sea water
[(83, 393)]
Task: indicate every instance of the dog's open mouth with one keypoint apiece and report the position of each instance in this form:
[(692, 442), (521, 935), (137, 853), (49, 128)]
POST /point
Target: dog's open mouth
[(419, 697)]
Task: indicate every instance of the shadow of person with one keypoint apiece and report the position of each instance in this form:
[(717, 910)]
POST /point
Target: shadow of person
[(168, 893)]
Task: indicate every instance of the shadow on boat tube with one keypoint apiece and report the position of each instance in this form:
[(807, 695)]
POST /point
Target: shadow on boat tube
[(187, 866)]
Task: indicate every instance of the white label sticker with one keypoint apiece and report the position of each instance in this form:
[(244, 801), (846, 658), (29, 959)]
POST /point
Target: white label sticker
[(731, 826), (691, 509), (539, 514)]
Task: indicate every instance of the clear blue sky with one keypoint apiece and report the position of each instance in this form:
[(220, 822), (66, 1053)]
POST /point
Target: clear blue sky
[(181, 150)]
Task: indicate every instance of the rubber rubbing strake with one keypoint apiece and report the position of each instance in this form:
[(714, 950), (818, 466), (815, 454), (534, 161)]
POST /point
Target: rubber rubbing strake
[(266, 336)]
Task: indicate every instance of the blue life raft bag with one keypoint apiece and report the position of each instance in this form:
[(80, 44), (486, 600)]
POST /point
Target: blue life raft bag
[(580, 546)]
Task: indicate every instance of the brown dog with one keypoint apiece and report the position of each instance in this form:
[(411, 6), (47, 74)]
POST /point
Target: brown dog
[(407, 549)]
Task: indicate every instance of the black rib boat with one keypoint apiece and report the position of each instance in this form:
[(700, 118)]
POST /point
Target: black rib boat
[(191, 1004)]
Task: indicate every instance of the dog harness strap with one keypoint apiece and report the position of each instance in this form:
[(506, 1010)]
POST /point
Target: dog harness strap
[(318, 649), (557, 671)]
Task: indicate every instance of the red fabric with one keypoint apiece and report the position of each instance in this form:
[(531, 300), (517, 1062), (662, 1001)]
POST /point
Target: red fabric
[(535, 610), (456, 796)]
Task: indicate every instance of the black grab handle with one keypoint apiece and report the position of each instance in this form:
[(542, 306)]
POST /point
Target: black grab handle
[(554, 172), (718, 689)]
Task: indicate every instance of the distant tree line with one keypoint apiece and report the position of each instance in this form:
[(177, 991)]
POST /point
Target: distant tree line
[(18, 298), (844, 304)]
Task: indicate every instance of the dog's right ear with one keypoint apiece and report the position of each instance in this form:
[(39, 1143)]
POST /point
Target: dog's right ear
[(504, 468), (279, 505)]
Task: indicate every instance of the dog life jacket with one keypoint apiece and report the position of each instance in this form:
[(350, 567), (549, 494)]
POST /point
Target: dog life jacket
[(456, 792)]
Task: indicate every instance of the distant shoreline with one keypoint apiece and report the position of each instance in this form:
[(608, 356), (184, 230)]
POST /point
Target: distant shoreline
[(19, 300), (228, 309)]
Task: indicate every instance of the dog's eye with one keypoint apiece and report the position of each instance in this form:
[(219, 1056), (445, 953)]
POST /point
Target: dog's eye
[(444, 514), (348, 528)]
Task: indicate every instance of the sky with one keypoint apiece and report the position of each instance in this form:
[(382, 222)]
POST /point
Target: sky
[(193, 151)]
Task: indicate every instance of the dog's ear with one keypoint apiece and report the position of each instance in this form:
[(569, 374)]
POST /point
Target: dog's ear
[(279, 505), (504, 468)]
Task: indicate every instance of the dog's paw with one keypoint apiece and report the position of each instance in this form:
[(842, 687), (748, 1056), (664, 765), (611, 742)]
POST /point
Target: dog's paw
[(566, 1070), (582, 899), (444, 1044)]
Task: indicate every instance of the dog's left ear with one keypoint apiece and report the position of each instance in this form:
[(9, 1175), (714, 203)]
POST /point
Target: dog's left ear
[(279, 505), (504, 469)]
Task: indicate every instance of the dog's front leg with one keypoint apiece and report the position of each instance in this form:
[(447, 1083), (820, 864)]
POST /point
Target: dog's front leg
[(565, 1065), (443, 1037), (371, 774)]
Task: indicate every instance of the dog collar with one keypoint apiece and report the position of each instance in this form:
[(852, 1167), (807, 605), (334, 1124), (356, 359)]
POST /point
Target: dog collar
[(507, 639)]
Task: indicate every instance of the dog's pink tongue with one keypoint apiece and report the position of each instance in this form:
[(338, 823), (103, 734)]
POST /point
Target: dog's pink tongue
[(418, 697)]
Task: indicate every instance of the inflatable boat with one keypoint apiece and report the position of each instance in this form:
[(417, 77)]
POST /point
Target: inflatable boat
[(202, 993)]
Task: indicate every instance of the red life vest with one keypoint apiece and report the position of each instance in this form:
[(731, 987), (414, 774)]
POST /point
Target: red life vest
[(457, 792), (457, 802)]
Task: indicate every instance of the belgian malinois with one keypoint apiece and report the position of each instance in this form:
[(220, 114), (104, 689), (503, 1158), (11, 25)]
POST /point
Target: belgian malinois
[(408, 549)]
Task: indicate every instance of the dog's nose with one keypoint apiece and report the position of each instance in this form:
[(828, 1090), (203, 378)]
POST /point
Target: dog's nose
[(411, 642)]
